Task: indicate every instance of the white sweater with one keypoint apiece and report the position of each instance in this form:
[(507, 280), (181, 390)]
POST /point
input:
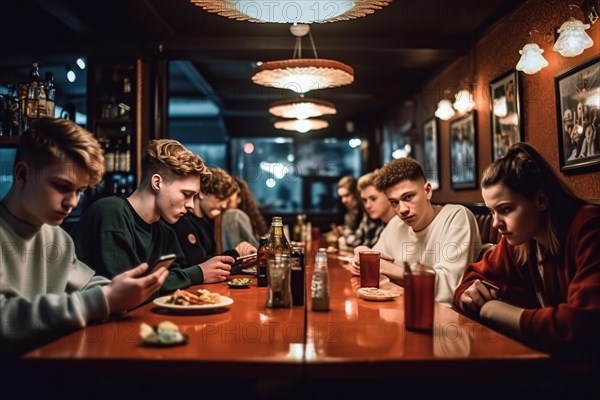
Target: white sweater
[(448, 244), (44, 290)]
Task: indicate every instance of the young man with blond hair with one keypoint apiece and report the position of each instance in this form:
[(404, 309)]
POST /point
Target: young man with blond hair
[(378, 212), (117, 232), (45, 291), (443, 237)]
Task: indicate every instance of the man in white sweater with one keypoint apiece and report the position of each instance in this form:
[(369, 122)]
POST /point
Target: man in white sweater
[(445, 238), (45, 291)]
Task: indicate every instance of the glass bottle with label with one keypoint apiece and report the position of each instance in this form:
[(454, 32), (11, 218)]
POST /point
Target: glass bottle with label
[(33, 92), (278, 267), (50, 95), (261, 262), (278, 243), (320, 283)]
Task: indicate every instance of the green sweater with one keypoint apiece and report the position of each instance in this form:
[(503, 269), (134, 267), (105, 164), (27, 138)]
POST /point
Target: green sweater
[(112, 238)]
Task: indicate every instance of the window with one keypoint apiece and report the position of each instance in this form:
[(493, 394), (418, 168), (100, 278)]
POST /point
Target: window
[(289, 175)]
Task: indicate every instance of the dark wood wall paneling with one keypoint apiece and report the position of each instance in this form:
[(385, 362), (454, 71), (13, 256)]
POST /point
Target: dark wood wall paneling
[(493, 55)]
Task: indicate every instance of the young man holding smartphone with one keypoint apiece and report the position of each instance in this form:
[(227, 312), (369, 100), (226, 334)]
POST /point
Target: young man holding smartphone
[(117, 232), (45, 291)]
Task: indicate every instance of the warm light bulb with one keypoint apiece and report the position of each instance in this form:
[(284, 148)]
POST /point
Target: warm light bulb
[(532, 60), (464, 101), (572, 40), (444, 110)]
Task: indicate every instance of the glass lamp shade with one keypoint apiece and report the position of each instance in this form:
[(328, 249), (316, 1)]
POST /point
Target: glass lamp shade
[(572, 40), (444, 110), (290, 11), (464, 101), (302, 108), (303, 74), (301, 125), (532, 60), (500, 107)]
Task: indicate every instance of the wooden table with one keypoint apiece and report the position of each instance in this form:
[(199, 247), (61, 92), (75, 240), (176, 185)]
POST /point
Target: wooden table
[(368, 339), (355, 339)]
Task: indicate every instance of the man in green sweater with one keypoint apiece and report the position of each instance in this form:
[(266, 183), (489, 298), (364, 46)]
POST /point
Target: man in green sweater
[(45, 291), (116, 232)]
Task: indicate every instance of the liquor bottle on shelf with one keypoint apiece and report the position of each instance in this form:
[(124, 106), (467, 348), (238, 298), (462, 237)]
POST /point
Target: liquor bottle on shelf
[(124, 159), (33, 92), (109, 156), (50, 94), (118, 149)]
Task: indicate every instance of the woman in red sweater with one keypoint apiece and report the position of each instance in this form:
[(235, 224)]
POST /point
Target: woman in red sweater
[(546, 268)]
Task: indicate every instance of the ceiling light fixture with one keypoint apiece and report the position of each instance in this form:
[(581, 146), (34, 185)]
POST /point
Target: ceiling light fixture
[(572, 40), (303, 74), (285, 11), (302, 108), (302, 125)]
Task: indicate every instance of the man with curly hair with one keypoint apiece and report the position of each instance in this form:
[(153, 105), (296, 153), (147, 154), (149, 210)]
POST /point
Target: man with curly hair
[(117, 232), (443, 237), (45, 291), (196, 230)]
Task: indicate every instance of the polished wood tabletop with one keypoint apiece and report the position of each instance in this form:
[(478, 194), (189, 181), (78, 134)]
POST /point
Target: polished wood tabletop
[(368, 338), (247, 336)]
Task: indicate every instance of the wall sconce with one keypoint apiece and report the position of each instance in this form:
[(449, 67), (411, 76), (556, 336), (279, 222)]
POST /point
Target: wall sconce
[(444, 110), (464, 101), (532, 60), (572, 40)]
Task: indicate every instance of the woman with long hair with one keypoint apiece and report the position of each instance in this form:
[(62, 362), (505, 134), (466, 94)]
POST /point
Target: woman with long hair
[(541, 283)]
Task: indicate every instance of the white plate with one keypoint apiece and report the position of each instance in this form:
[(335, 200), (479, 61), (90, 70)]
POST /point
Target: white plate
[(162, 301), (375, 294)]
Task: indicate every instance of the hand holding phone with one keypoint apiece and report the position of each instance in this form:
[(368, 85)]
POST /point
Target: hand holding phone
[(166, 260)]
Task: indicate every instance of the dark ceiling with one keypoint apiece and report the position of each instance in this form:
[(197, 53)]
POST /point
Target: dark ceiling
[(393, 51)]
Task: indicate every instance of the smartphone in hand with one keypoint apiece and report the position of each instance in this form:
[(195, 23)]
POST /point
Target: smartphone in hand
[(166, 260)]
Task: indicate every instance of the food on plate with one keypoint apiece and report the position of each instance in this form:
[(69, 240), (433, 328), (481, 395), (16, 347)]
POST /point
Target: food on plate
[(202, 296), (239, 282), (166, 333), (376, 294)]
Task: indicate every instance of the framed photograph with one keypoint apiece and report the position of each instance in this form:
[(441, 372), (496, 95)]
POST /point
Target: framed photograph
[(505, 116), (431, 161), (463, 152), (578, 115)]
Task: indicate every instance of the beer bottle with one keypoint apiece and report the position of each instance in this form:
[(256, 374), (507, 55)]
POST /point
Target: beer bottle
[(261, 262)]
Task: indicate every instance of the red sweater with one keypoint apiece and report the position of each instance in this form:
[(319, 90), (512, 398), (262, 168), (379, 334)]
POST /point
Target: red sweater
[(562, 312)]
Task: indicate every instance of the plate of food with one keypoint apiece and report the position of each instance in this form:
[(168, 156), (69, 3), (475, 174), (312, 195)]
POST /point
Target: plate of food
[(376, 294), (166, 334), (239, 283), (202, 299)]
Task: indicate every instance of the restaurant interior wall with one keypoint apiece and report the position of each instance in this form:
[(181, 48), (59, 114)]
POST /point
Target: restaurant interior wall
[(496, 53)]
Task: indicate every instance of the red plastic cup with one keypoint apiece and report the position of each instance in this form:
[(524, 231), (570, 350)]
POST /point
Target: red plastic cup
[(418, 300), (369, 268)]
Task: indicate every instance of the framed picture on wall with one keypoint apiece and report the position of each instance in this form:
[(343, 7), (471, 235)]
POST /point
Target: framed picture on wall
[(463, 152), (578, 115), (431, 159), (505, 116)]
